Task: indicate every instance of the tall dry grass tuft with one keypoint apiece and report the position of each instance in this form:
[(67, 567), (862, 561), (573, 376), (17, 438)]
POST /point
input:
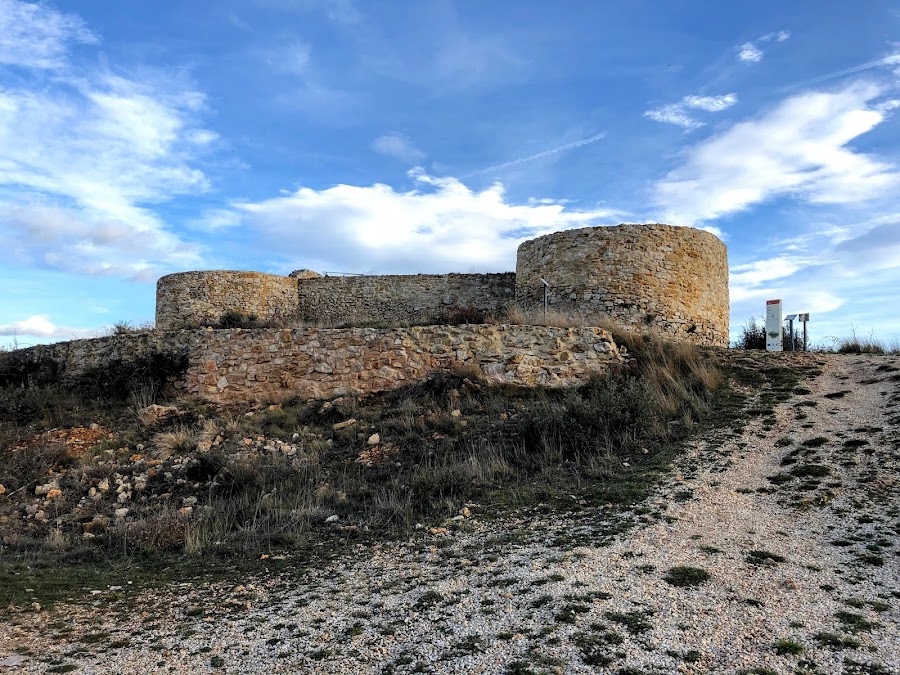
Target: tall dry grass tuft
[(854, 344), (892, 346), (178, 440), (535, 317)]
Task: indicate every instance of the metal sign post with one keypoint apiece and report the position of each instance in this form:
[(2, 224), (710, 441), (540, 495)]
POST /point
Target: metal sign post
[(546, 291), (804, 317), (773, 326), (790, 320)]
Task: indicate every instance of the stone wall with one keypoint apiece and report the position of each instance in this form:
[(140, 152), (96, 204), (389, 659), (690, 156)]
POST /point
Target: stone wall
[(657, 278), (660, 279), (201, 298), (237, 365), (400, 299)]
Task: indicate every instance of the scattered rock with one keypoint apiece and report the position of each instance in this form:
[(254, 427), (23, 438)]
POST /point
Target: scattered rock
[(344, 425), (154, 414), (333, 518), (46, 488), (374, 439)]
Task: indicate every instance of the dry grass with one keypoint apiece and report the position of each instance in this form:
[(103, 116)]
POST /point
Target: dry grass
[(444, 442), (178, 440), (536, 317), (869, 344)]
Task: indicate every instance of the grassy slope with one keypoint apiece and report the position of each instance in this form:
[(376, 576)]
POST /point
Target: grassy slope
[(441, 444)]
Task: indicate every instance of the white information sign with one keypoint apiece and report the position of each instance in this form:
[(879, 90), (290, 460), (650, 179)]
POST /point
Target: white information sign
[(773, 326)]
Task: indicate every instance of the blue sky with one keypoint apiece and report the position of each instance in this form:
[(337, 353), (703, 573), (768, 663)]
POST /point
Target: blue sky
[(139, 139)]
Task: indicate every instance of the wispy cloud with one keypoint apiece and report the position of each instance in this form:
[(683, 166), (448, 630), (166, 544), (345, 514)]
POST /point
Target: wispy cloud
[(540, 155), (85, 151), (33, 35), (798, 148), (677, 113), (892, 60), (397, 146), (826, 269), (750, 52)]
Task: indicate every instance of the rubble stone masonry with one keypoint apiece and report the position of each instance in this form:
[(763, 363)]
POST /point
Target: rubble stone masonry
[(401, 299), (190, 299), (655, 278), (661, 279), (241, 365)]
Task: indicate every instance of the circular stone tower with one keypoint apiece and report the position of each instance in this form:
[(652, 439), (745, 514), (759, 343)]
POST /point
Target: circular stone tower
[(190, 299), (661, 279)]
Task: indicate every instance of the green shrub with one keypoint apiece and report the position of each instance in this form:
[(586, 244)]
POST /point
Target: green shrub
[(236, 319), (685, 576), (785, 646), (457, 315), (752, 335)]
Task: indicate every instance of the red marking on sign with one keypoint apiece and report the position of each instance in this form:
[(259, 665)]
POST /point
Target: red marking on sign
[(772, 302)]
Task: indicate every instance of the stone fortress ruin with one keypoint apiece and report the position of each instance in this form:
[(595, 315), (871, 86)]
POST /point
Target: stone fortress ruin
[(330, 336), (672, 281)]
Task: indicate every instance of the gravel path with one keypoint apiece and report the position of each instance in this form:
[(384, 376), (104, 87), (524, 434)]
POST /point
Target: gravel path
[(795, 519)]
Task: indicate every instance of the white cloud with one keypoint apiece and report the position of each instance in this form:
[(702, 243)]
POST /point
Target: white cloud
[(676, 113), (854, 268), (439, 226), (892, 60), (710, 103), (82, 153), (397, 146), (750, 53), (760, 271), (33, 35), (673, 113), (799, 148), (40, 326)]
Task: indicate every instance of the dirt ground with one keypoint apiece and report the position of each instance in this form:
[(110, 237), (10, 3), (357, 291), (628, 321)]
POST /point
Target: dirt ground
[(769, 550)]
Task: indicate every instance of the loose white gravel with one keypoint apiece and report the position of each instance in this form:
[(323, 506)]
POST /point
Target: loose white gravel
[(525, 595)]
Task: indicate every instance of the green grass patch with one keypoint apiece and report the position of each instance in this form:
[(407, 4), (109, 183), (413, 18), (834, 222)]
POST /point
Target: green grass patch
[(686, 576)]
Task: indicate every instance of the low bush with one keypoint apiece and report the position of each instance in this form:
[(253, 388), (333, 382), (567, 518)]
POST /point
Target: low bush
[(752, 335), (236, 319), (685, 577), (455, 316), (127, 328)]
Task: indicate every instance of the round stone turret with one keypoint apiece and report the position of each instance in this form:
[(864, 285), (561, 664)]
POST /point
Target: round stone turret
[(650, 278)]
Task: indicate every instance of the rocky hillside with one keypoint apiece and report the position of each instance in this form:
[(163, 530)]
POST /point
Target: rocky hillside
[(678, 517)]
